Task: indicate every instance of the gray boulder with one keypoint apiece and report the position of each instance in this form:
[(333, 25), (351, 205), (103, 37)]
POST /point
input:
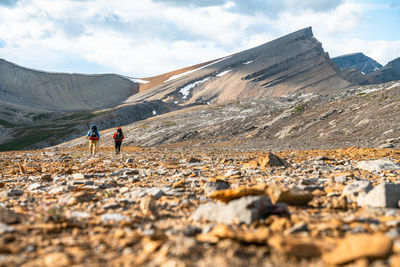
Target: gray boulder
[(138, 192), (242, 210), (378, 165), (354, 190), (385, 195)]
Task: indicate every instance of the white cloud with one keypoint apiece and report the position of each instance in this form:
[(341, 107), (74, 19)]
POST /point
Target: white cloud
[(144, 38), (381, 51)]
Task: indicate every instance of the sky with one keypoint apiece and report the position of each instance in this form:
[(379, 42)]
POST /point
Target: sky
[(143, 38)]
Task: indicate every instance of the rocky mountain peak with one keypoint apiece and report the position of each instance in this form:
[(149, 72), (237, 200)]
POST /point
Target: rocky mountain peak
[(357, 61), (390, 72)]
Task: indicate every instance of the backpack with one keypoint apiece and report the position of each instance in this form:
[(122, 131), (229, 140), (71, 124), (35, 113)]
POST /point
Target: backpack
[(119, 135), (93, 134)]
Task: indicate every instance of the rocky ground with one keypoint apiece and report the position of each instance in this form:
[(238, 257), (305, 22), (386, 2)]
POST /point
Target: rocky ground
[(200, 207)]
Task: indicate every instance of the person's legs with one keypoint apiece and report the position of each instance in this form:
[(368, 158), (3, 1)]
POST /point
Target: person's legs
[(91, 146), (119, 146), (95, 144)]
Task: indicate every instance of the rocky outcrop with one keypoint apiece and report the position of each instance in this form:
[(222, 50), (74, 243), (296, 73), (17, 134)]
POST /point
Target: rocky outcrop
[(357, 61)]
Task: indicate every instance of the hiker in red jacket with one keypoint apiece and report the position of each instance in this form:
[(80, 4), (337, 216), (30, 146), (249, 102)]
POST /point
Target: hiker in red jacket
[(118, 137)]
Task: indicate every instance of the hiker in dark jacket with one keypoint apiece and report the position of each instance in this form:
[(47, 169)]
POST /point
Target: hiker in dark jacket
[(94, 137), (118, 137)]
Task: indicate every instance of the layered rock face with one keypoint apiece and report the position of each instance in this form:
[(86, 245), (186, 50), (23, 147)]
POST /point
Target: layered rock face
[(61, 91), (357, 61), (293, 63)]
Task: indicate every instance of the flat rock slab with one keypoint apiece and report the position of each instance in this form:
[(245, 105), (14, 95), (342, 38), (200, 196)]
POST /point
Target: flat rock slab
[(351, 248), (243, 210), (378, 165)]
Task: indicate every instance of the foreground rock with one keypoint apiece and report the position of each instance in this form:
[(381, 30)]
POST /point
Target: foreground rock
[(382, 196), (244, 210), (377, 246)]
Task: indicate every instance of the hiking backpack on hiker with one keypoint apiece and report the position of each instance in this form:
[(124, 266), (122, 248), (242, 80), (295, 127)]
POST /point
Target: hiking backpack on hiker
[(119, 136), (93, 134)]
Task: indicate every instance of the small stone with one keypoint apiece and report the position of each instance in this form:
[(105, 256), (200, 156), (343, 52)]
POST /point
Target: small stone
[(341, 179), (57, 259), (291, 196), (4, 228), (214, 186), (354, 247), (115, 217), (271, 160), (191, 230), (296, 247), (253, 164), (257, 236), (148, 205), (138, 192), (387, 145), (232, 172), (231, 194), (46, 178), (130, 160), (179, 184), (34, 186), (78, 176), (111, 206), (83, 196), (58, 190), (194, 160), (324, 158), (297, 228), (385, 195), (79, 215), (15, 192)]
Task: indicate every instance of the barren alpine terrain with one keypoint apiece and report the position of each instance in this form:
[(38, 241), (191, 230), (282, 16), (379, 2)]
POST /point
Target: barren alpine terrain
[(273, 156), (199, 207)]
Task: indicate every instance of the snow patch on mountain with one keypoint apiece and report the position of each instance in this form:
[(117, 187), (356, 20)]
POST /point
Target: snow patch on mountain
[(223, 73), (138, 80), (191, 71), (186, 90)]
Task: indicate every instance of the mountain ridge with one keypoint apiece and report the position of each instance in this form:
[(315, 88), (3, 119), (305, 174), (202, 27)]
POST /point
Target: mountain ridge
[(294, 64)]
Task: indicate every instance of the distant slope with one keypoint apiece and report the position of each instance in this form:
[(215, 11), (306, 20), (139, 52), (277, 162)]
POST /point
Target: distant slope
[(357, 61), (357, 116), (61, 91)]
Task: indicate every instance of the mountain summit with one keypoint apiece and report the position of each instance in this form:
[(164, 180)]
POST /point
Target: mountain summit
[(357, 61), (295, 63)]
